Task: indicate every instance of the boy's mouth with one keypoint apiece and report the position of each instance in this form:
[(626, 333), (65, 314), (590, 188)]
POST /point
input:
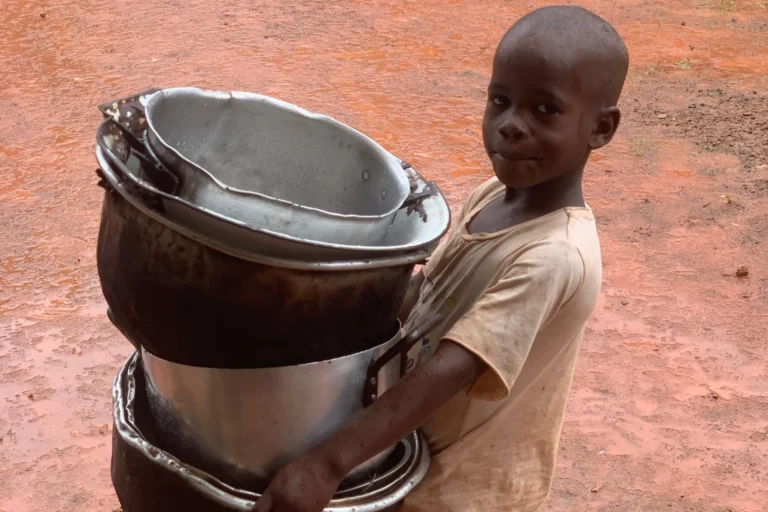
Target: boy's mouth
[(514, 157)]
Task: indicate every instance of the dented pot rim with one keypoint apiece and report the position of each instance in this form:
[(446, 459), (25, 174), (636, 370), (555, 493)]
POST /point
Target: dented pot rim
[(113, 182)]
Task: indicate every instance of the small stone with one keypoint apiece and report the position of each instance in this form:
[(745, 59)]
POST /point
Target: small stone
[(662, 116), (742, 271), (683, 23)]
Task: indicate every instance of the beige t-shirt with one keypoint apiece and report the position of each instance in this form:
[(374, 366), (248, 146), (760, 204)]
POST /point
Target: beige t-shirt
[(519, 299)]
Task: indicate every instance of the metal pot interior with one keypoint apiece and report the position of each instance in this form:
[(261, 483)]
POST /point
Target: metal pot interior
[(253, 143), (410, 230)]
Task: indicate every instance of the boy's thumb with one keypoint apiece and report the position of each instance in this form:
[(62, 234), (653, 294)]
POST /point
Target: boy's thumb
[(264, 504)]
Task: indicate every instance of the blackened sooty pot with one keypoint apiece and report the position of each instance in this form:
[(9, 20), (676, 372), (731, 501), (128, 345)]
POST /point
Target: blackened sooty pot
[(191, 304)]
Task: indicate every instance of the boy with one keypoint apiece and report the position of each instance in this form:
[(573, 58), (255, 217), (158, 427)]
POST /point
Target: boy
[(517, 278)]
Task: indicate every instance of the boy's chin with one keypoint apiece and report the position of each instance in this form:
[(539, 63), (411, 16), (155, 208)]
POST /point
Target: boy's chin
[(515, 178)]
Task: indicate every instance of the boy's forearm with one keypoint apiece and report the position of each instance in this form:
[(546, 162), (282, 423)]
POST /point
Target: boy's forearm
[(402, 409)]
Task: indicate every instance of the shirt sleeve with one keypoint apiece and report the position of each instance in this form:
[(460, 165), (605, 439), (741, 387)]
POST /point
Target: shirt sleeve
[(501, 326)]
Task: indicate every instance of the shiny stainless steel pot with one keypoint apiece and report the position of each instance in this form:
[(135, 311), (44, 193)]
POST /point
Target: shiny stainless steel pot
[(148, 478), (277, 166), (245, 424)]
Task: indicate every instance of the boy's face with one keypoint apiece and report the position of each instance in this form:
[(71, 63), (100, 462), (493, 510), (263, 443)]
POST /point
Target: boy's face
[(540, 118)]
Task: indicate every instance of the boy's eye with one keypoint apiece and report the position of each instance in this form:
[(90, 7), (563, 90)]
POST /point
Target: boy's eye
[(546, 108), (499, 101)]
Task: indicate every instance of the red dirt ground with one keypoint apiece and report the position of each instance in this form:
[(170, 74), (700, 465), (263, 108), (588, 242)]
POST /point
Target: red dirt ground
[(669, 408)]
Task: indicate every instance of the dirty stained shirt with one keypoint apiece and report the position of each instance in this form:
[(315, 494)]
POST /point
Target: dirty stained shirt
[(518, 299)]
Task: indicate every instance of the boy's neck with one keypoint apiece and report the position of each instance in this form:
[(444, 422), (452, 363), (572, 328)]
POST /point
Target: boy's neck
[(561, 192)]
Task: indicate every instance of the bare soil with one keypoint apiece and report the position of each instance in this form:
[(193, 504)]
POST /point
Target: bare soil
[(669, 405)]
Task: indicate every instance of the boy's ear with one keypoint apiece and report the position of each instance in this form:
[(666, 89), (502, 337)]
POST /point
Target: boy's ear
[(607, 123)]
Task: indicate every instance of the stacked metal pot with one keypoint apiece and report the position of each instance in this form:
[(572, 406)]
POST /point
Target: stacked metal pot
[(256, 255)]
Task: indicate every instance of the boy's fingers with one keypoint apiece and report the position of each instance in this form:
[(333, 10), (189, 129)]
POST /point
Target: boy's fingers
[(264, 504)]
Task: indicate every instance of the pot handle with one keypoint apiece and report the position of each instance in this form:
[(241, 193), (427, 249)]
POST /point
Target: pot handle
[(415, 198), (112, 109), (421, 189), (401, 348), (159, 175)]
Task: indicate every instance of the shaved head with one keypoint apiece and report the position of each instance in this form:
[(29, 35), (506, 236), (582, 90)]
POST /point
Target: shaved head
[(579, 36)]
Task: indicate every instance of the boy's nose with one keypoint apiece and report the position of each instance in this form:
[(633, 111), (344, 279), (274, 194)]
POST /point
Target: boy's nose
[(512, 130)]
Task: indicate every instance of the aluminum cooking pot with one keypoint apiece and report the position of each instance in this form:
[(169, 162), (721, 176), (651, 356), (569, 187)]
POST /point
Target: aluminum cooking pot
[(275, 165), (417, 225), (243, 425), (413, 229), (147, 478)]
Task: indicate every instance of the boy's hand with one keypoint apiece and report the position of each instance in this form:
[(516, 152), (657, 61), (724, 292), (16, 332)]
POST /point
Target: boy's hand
[(308, 484), (305, 485)]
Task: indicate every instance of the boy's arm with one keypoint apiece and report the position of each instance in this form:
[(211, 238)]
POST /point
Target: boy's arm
[(308, 484), (411, 296)]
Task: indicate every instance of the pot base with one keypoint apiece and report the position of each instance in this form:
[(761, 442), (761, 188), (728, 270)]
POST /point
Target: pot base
[(148, 479)]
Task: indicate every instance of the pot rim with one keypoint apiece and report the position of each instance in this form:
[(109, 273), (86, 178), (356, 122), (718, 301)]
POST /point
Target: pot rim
[(392, 341), (105, 159), (411, 257)]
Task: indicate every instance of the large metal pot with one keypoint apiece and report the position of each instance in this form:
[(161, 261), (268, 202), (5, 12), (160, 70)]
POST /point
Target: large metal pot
[(149, 479), (275, 165), (245, 424), (191, 304), (412, 230)]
